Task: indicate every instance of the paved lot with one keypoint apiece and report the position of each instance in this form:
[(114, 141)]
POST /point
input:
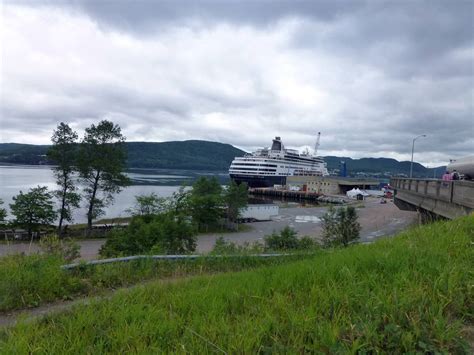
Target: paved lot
[(377, 220)]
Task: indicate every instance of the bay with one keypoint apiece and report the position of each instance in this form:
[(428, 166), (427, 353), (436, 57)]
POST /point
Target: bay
[(163, 182)]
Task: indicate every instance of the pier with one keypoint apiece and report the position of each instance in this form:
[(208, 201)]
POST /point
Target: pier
[(285, 194), (448, 199)]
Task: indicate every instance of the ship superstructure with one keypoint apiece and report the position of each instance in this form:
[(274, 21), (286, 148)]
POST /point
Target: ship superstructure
[(270, 166)]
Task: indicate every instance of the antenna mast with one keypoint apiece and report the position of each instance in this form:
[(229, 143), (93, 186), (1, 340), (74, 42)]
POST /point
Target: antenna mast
[(316, 146)]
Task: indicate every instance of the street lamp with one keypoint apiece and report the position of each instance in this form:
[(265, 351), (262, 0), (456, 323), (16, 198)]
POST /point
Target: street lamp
[(412, 151)]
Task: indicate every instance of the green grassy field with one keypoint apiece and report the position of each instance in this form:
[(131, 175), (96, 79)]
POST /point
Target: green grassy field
[(414, 292), (30, 281)]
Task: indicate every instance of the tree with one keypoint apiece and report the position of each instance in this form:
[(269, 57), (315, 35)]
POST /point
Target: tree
[(206, 202), (63, 154), (33, 209), (340, 227), (3, 212), (236, 198), (151, 204), (102, 160), (158, 234)]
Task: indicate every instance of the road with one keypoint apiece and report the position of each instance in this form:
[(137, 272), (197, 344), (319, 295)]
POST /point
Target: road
[(377, 220)]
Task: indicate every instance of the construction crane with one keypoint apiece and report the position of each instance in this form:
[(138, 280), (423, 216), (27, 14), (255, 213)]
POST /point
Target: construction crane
[(316, 146)]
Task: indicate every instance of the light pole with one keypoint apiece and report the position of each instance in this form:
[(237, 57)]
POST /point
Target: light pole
[(412, 151)]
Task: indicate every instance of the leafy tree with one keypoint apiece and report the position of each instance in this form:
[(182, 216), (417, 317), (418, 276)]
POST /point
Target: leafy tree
[(101, 164), (160, 234), (3, 212), (33, 209), (149, 205), (236, 198), (340, 227), (179, 202), (63, 154), (206, 202)]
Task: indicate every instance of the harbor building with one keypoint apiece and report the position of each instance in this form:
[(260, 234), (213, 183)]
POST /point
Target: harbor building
[(328, 185)]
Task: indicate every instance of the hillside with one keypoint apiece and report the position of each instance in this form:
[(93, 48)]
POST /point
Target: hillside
[(407, 294), (204, 155), (192, 155), (385, 166)]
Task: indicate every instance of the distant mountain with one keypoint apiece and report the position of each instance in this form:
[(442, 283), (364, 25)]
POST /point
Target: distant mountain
[(192, 155), (205, 155), (27, 154), (382, 167)]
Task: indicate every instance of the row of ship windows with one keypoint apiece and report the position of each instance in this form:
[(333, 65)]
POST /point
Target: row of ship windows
[(251, 172), (235, 168), (255, 164)]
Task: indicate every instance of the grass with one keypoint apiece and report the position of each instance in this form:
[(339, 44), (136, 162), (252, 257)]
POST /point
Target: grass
[(412, 293), (29, 281)]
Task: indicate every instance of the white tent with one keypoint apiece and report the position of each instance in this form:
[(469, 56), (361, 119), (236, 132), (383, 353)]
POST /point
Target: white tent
[(355, 192)]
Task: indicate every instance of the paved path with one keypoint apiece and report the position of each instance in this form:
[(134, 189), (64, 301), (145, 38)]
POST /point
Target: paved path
[(376, 219)]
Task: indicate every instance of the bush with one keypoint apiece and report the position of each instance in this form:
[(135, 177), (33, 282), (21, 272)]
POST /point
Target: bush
[(66, 249), (225, 247), (287, 240), (163, 234), (340, 227)]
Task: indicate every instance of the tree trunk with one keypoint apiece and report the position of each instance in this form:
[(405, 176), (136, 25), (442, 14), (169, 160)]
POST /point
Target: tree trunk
[(91, 205), (61, 214)]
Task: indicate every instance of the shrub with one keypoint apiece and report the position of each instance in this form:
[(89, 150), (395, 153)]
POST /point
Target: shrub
[(340, 227), (67, 249), (152, 234), (225, 247), (287, 240)]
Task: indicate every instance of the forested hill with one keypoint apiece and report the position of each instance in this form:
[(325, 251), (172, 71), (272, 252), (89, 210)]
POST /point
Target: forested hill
[(382, 166), (204, 155), (192, 155)]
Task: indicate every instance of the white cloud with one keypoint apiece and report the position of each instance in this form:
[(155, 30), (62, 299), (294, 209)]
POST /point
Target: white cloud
[(230, 82)]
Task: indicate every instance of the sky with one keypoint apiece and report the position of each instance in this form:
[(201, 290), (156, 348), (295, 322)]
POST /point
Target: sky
[(369, 75)]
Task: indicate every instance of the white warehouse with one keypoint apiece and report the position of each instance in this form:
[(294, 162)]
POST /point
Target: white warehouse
[(259, 212)]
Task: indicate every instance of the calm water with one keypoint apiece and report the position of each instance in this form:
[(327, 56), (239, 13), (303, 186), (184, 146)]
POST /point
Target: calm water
[(144, 181)]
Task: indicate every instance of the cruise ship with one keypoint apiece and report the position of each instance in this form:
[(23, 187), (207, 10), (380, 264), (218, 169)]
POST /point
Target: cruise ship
[(270, 166)]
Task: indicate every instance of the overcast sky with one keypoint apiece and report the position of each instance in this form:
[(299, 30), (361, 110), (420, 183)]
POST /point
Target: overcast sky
[(370, 75)]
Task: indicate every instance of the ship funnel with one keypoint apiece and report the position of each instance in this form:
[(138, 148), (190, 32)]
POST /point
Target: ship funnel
[(276, 145)]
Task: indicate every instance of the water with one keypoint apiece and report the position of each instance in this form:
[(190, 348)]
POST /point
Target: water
[(163, 182)]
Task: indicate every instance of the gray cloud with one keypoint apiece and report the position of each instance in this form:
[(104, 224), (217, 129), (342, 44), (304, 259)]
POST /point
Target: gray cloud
[(370, 75)]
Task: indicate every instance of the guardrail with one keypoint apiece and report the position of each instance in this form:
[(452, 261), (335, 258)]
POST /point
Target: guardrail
[(165, 257)]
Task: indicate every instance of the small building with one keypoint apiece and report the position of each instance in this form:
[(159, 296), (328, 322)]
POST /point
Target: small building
[(329, 185), (259, 212)]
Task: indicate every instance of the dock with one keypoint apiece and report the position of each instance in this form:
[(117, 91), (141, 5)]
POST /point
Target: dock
[(285, 194)]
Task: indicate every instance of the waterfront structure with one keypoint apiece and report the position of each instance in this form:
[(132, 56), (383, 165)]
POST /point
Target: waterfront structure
[(448, 199), (328, 185), (271, 166), (259, 212)]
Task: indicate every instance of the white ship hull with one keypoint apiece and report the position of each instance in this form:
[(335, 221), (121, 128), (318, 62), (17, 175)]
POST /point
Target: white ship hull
[(271, 167)]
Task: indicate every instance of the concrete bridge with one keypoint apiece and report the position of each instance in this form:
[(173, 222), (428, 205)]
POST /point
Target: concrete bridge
[(448, 199)]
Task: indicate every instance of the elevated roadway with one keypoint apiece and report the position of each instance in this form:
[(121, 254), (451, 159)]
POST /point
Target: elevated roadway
[(448, 199)]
